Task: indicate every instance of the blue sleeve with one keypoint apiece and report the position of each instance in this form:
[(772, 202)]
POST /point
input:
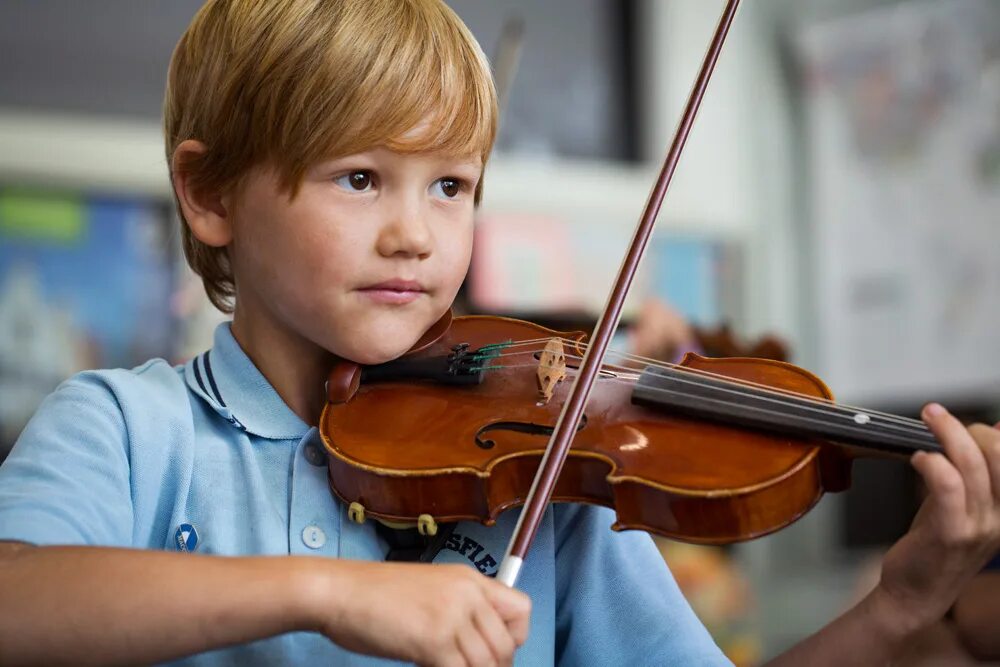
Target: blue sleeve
[(66, 481), (617, 602)]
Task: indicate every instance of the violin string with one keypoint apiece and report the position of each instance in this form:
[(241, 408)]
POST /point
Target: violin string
[(827, 410), (791, 399), (824, 419), (908, 429), (722, 379), (683, 369), (858, 429)]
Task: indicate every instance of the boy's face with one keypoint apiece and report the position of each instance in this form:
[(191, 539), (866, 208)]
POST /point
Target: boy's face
[(367, 257)]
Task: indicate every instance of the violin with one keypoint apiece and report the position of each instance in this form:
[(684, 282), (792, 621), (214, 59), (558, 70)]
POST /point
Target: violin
[(710, 451), (486, 414)]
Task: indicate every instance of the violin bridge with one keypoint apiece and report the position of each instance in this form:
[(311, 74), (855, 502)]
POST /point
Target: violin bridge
[(551, 369)]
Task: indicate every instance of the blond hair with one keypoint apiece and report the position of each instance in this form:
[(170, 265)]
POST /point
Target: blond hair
[(292, 82)]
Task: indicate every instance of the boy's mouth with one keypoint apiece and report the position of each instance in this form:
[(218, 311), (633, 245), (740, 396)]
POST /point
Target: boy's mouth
[(395, 291)]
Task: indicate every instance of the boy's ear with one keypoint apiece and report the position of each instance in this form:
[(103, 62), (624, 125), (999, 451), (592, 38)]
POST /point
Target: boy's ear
[(204, 211)]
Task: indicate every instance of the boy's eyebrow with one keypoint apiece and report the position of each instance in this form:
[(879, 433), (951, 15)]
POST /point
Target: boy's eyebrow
[(470, 162)]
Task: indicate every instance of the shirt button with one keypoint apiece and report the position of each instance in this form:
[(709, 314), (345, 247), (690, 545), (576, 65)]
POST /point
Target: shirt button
[(315, 454), (313, 537)]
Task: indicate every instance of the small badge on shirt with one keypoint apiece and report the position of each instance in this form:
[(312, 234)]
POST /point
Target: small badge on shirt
[(186, 537)]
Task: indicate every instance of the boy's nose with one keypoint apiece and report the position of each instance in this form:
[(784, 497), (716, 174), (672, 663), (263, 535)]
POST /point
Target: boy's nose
[(405, 234)]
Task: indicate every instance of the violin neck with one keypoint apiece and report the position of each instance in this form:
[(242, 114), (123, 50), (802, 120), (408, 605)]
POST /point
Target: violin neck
[(718, 399)]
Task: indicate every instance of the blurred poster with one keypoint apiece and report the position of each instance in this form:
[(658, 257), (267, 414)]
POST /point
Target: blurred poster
[(903, 129), (527, 263), (524, 263), (84, 283), (698, 277)]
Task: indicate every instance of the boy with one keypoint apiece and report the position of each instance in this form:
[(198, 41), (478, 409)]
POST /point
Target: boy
[(326, 159)]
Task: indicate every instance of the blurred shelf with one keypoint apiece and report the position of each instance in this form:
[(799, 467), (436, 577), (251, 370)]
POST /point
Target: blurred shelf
[(606, 194), (94, 154), (125, 156)]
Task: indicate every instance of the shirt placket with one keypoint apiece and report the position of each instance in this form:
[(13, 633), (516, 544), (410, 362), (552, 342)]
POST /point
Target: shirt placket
[(314, 519)]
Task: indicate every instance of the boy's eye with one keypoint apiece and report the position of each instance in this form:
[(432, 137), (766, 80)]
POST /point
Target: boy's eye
[(359, 181), (448, 187)]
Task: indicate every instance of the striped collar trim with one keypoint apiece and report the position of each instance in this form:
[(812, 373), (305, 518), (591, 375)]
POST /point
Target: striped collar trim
[(228, 381)]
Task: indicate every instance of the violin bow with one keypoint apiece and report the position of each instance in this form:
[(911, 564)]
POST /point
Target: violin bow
[(562, 436)]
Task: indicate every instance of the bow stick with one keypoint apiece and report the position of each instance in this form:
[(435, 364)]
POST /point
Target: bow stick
[(562, 436)]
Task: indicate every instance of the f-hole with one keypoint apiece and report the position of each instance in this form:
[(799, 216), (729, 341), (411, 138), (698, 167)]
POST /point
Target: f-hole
[(518, 427)]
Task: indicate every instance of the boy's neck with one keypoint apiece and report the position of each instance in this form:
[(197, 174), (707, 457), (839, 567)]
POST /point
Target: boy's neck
[(295, 367)]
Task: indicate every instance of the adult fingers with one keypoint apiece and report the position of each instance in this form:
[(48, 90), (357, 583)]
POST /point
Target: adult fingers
[(944, 484), (988, 440), (964, 454)]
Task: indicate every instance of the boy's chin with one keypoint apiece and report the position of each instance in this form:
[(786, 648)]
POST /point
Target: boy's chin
[(369, 357), (379, 351), (380, 342)]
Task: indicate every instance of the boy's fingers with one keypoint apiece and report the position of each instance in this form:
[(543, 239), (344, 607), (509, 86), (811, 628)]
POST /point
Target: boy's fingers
[(944, 482), (964, 454), (496, 634), (473, 648), (514, 608), (510, 603), (518, 629)]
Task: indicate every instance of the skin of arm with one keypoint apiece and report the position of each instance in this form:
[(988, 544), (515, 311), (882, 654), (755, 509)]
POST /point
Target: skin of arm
[(110, 611), (955, 533), (976, 616), (130, 617)]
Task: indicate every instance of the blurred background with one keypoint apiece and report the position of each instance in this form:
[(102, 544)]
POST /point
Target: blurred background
[(839, 200)]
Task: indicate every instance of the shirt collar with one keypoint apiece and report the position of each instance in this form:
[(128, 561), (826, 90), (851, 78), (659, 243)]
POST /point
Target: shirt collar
[(227, 380)]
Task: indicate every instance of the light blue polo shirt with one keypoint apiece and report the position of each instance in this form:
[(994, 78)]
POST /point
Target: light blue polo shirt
[(206, 457)]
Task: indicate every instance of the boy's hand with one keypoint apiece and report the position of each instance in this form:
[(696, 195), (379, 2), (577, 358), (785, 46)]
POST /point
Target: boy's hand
[(957, 530), (429, 614)]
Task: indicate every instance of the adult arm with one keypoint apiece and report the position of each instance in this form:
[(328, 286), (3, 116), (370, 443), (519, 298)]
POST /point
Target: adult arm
[(955, 533), (977, 616)]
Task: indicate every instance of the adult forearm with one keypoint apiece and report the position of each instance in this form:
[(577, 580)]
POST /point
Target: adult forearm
[(88, 605), (977, 616), (870, 633)]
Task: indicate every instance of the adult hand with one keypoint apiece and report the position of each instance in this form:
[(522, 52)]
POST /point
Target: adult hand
[(957, 529)]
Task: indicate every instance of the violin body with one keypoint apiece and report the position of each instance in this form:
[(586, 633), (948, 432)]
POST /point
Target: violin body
[(471, 452)]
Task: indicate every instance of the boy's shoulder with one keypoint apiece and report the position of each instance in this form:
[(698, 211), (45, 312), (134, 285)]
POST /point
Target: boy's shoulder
[(75, 474), (152, 385), (118, 404), (153, 373)]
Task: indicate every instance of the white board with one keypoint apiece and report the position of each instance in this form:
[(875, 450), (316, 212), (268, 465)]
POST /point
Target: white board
[(902, 109)]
